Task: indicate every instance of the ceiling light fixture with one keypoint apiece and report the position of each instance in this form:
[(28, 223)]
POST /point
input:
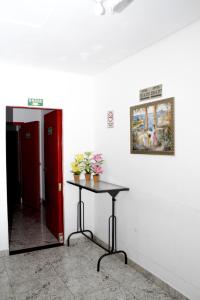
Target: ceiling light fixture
[(99, 9), (119, 5), (110, 6)]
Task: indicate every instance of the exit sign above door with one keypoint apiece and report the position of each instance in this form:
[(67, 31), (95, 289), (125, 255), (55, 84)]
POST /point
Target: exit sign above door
[(35, 102)]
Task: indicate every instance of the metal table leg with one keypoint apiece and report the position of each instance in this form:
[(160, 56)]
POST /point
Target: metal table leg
[(112, 232), (112, 228), (80, 219)]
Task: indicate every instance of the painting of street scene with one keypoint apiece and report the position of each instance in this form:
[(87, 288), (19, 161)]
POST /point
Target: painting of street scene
[(152, 127)]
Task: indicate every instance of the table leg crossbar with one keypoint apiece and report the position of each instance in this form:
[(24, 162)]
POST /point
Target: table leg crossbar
[(112, 241)]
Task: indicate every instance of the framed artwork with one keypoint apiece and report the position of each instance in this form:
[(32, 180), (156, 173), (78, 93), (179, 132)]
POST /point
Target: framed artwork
[(152, 128)]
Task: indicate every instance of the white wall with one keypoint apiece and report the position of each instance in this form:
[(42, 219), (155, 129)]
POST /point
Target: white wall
[(69, 92), (159, 219)]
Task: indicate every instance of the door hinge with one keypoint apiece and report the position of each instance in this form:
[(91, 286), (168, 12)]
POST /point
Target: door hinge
[(61, 238), (60, 186)]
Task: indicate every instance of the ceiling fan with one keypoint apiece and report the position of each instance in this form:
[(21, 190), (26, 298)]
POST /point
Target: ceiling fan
[(111, 6)]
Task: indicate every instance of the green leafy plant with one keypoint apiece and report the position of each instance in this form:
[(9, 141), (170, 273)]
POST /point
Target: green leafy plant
[(87, 162)]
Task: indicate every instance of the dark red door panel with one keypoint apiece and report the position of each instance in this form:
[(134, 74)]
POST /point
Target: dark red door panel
[(30, 160), (53, 172)]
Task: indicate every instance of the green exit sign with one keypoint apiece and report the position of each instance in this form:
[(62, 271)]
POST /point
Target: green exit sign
[(35, 102)]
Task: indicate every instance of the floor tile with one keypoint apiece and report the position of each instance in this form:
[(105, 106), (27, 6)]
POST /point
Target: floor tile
[(70, 273), (46, 288), (2, 268), (144, 289), (20, 267), (111, 293), (6, 291), (85, 284)]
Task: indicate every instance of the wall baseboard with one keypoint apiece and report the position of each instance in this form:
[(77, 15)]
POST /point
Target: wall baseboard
[(163, 285), (4, 253)]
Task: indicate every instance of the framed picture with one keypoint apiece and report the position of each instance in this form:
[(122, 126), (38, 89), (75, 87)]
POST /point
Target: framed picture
[(152, 128)]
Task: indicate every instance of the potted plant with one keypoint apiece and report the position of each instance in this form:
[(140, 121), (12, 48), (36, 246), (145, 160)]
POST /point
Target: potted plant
[(77, 167), (96, 166), (87, 165)]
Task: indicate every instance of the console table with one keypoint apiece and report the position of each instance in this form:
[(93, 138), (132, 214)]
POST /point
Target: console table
[(100, 187)]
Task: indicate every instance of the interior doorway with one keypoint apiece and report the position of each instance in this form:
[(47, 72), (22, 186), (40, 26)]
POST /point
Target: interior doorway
[(34, 178)]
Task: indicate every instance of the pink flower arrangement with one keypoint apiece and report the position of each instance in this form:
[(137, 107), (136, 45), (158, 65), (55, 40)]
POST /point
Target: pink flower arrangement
[(97, 169), (97, 158), (96, 164)]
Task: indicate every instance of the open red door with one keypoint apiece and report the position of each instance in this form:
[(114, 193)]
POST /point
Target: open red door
[(30, 161), (53, 173)]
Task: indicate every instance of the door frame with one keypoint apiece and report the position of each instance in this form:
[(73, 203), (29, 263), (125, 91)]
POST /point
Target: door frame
[(60, 132)]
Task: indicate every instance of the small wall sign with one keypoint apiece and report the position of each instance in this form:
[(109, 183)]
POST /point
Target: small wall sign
[(151, 92), (35, 102), (50, 130), (110, 119), (28, 135)]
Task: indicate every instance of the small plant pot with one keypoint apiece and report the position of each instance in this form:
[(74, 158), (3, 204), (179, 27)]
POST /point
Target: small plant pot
[(76, 178), (87, 177), (96, 178)]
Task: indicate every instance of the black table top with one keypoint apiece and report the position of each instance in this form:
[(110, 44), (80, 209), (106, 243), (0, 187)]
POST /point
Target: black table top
[(100, 187)]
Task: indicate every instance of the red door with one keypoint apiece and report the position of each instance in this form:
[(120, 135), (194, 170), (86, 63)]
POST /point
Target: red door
[(53, 172), (30, 161)]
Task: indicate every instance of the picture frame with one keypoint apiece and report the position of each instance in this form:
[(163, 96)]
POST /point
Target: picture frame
[(152, 128)]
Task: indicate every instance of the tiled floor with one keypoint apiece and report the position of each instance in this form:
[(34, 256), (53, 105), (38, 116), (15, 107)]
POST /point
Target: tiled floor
[(70, 273), (28, 229)]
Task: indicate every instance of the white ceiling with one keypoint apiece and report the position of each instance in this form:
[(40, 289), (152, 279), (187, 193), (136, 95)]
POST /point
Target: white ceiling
[(66, 35)]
